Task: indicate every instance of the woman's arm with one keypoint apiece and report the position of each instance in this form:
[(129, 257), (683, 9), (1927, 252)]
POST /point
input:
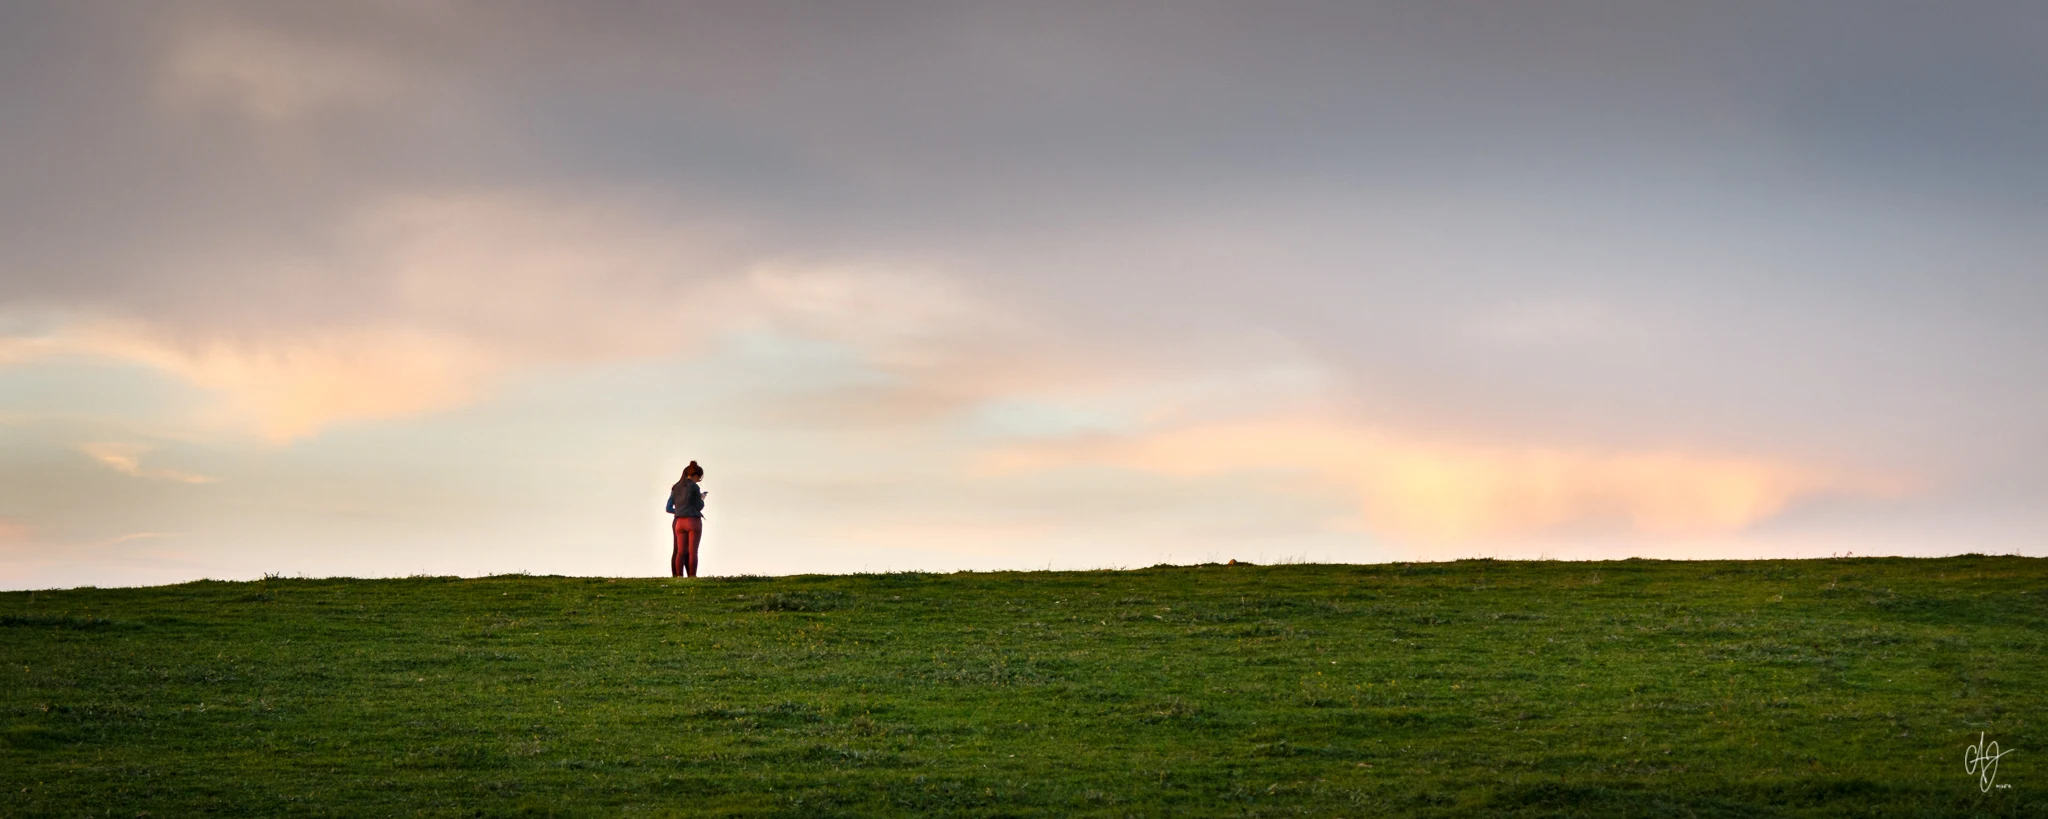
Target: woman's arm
[(671, 503)]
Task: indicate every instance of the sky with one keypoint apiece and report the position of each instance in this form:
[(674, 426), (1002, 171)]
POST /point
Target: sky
[(444, 287)]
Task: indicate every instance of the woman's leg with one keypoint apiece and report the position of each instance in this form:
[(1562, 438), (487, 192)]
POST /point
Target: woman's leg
[(679, 560), (696, 537)]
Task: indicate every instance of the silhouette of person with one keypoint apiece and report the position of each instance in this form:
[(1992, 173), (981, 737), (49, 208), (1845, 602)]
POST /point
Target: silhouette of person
[(686, 502)]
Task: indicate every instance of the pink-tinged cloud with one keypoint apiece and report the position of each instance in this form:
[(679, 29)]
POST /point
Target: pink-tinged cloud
[(127, 460), (1436, 492), (138, 536), (288, 385), (270, 76), (470, 289), (15, 545)]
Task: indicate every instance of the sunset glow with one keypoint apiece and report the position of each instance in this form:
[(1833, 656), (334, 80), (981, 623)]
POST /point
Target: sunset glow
[(391, 289)]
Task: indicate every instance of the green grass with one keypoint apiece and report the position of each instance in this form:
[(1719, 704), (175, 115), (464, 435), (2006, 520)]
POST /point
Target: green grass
[(1478, 688)]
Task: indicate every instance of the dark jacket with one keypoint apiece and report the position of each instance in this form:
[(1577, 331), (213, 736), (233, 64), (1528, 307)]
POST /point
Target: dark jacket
[(686, 500)]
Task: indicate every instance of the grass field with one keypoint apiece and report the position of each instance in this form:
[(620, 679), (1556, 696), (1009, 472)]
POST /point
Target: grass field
[(1634, 688)]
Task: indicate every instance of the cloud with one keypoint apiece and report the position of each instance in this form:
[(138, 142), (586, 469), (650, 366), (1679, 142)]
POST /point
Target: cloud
[(138, 536), (895, 314), (1436, 492), (127, 460), (1548, 321), (271, 75), (285, 386), (998, 227), (459, 291)]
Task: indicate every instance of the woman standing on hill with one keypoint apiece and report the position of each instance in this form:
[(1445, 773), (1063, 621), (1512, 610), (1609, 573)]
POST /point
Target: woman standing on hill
[(686, 502)]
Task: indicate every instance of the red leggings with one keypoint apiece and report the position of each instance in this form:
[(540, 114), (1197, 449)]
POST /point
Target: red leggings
[(689, 533)]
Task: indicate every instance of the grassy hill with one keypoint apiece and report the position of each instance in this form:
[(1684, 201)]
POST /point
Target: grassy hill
[(1644, 688)]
